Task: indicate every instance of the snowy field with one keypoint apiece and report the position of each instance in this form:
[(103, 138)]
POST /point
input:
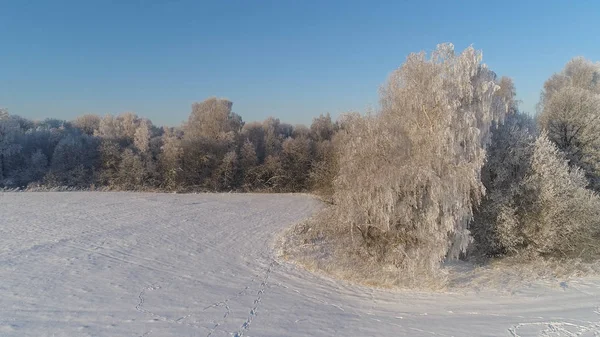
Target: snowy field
[(126, 264)]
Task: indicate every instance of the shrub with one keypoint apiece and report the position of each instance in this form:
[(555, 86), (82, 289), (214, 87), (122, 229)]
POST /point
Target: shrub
[(553, 214)]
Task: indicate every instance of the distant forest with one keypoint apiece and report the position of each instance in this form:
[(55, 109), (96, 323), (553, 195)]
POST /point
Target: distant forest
[(214, 151)]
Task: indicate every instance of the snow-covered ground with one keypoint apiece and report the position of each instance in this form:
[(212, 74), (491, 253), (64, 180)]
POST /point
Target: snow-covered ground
[(126, 264)]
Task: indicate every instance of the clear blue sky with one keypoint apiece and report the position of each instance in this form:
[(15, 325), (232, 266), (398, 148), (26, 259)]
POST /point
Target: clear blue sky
[(289, 59)]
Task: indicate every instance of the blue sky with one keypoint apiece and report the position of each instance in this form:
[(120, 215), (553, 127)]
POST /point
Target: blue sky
[(289, 59)]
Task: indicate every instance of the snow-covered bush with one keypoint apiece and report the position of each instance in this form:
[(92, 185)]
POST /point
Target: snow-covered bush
[(553, 213)]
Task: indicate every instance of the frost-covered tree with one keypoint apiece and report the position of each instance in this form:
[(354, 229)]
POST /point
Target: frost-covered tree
[(110, 157), (226, 175), (33, 169), (38, 166), (270, 174), (248, 156), (286, 131), (142, 137), (508, 161), (169, 161), (300, 131), (121, 128), (210, 134), (324, 165), (272, 134), (296, 158), (3, 113), (579, 73), (553, 213), (108, 128), (132, 173), (88, 124), (127, 124), (211, 119), (409, 176), (255, 134), (572, 119), (142, 143), (248, 162), (569, 111), (323, 128), (324, 168), (9, 130), (202, 157), (74, 161), (49, 123)]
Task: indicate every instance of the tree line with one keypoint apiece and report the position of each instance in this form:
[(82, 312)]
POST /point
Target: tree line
[(215, 150)]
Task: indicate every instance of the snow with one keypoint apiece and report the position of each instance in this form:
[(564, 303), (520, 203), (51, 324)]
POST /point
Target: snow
[(131, 264)]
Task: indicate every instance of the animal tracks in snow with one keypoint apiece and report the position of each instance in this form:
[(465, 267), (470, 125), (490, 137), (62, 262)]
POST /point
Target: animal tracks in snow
[(224, 304), (254, 311), (560, 328)]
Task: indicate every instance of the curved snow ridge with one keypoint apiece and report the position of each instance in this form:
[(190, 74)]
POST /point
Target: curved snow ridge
[(131, 264)]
